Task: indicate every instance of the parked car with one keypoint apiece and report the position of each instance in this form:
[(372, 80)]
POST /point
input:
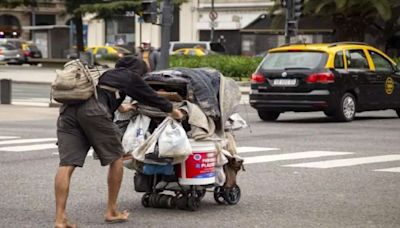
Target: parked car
[(190, 51), (339, 79), (101, 51), (17, 44), (205, 45), (11, 55), (31, 52)]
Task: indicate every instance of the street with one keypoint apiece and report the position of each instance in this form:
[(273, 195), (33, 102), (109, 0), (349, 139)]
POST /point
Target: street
[(302, 171)]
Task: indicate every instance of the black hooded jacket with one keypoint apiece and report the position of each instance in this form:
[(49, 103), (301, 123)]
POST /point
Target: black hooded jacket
[(127, 78)]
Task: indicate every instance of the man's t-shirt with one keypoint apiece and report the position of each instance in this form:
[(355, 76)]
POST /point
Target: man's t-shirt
[(129, 83)]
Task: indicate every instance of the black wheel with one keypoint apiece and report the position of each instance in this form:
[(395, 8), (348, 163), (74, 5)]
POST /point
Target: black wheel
[(267, 115), (347, 108), (398, 112), (193, 203), (181, 202), (219, 195), (201, 193), (146, 200), (232, 195)]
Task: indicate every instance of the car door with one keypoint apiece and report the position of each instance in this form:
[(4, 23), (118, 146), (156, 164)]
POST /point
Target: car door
[(360, 71), (387, 79)]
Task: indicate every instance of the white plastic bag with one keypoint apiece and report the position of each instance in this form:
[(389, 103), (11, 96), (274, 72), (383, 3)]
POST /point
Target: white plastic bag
[(173, 141), (135, 132)]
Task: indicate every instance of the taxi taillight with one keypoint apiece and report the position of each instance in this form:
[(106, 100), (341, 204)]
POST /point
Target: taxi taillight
[(257, 78), (323, 78)]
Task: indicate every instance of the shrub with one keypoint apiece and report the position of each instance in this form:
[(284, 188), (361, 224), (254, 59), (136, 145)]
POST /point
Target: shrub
[(237, 67)]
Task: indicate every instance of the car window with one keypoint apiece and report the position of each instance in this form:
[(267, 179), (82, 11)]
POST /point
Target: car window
[(339, 63), (356, 60), (380, 62), (7, 47), (101, 51), (301, 59), (122, 50)]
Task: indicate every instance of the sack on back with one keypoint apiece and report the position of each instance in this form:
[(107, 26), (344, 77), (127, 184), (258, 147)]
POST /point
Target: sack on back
[(75, 83)]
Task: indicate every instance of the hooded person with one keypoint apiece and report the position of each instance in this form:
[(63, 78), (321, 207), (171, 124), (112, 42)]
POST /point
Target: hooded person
[(90, 124)]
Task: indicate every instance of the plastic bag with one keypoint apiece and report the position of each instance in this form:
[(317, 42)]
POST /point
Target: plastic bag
[(135, 133), (173, 141)]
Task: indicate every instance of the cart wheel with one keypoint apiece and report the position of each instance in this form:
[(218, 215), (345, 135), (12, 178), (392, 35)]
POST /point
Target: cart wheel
[(232, 195), (193, 203), (219, 195), (181, 202), (146, 200), (201, 193), (153, 200)]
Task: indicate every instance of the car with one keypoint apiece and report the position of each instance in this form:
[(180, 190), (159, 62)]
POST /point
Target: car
[(190, 51), (31, 51), (17, 44), (101, 51), (205, 45), (339, 79), (10, 54)]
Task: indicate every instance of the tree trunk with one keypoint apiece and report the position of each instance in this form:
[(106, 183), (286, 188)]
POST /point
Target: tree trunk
[(79, 33)]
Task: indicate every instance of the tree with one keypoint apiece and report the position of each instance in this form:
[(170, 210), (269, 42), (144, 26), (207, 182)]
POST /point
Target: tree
[(352, 19)]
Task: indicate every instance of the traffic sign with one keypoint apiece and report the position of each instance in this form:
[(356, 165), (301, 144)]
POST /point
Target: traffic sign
[(213, 15), (213, 24)]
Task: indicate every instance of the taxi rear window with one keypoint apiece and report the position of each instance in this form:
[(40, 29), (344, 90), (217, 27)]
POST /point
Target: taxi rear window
[(295, 60)]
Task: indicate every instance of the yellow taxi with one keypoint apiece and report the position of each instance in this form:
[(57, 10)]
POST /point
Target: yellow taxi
[(100, 51), (339, 79), (190, 51)]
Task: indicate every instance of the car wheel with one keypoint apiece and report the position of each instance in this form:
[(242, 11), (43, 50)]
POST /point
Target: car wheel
[(347, 108), (268, 116)]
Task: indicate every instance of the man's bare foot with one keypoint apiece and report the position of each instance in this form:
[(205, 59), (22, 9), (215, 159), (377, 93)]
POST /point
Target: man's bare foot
[(116, 217), (66, 224)]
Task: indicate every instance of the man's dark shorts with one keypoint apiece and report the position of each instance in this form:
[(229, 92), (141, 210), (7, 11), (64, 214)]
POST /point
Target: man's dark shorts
[(80, 127)]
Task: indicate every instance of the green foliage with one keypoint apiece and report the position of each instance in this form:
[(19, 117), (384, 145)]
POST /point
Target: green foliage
[(237, 67), (397, 60)]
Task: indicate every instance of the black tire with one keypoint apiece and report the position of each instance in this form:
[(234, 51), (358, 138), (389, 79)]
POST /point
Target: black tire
[(347, 108), (219, 195), (398, 112), (193, 203), (146, 200), (232, 195), (267, 115), (181, 202)]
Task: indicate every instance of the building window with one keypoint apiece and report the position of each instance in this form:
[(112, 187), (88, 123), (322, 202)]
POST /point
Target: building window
[(120, 31)]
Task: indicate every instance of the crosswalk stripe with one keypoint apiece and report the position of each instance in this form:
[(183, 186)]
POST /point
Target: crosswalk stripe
[(28, 148), (347, 162), (291, 156), (9, 137), (21, 141), (394, 170), (246, 149)]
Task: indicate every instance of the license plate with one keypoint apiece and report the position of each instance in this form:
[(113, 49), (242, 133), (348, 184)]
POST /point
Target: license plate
[(284, 82)]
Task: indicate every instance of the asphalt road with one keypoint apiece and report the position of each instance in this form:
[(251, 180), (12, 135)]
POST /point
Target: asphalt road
[(342, 190)]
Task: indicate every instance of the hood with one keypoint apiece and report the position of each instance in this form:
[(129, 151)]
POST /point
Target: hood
[(133, 64)]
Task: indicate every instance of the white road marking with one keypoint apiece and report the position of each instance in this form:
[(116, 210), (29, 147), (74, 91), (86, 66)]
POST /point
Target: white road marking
[(21, 141), (9, 137), (394, 170), (28, 148), (291, 156), (28, 103), (246, 149), (347, 162)]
